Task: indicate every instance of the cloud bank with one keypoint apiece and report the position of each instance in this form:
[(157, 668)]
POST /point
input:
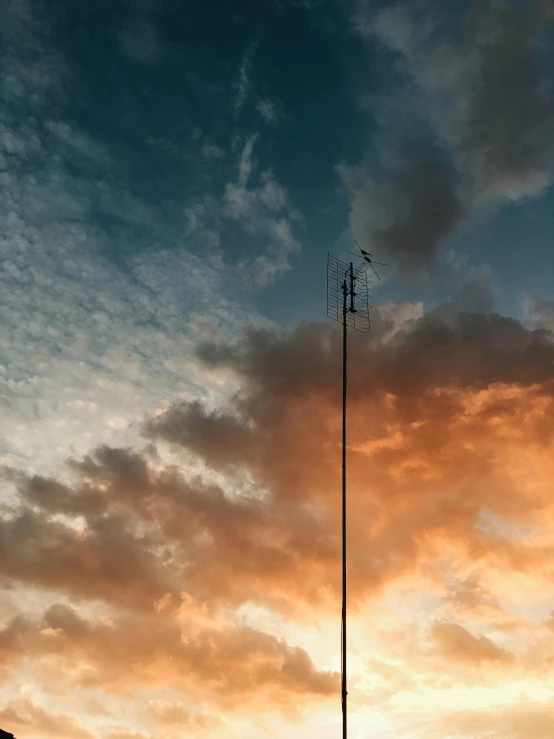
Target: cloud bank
[(475, 82), (149, 575)]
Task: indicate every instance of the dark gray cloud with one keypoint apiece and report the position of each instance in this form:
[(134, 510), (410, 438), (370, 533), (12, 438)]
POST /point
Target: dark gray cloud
[(507, 145), (408, 212), (479, 83), (107, 560), (447, 346)]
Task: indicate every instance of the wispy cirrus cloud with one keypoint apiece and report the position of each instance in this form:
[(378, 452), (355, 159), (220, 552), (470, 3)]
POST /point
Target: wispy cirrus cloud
[(256, 202), (263, 209), (242, 84)]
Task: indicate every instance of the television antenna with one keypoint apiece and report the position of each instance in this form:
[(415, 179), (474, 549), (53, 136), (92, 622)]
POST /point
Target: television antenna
[(347, 303)]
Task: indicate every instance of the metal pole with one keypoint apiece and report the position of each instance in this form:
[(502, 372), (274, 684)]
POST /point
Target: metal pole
[(342, 277), (344, 380)]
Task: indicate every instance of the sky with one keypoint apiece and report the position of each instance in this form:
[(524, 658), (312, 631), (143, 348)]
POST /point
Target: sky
[(173, 176)]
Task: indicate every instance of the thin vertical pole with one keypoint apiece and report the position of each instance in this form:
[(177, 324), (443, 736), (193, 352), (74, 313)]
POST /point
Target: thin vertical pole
[(344, 380)]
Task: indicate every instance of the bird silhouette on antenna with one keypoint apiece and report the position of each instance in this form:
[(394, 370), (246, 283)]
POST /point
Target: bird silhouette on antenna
[(366, 256)]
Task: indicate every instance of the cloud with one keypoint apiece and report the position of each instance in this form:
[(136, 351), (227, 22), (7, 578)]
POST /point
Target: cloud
[(409, 213), (34, 72), (452, 397), (212, 151), (220, 665), (540, 312), (458, 644), (105, 561), (476, 289), (185, 569), (24, 715), (242, 84), (481, 122), (438, 393), (93, 308), (99, 316), (192, 583), (278, 363), (139, 39), (259, 205), (268, 110), (137, 518), (176, 713), (469, 595), (245, 162), (263, 210), (528, 721)]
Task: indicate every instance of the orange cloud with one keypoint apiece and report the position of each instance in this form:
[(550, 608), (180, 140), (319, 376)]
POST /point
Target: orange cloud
[(450, 445), (528, 721), (226, 664), (24, 715), (458, 644), (451, 441)]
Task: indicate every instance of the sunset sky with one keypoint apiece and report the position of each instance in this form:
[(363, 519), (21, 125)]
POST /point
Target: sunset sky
[(172, 177)]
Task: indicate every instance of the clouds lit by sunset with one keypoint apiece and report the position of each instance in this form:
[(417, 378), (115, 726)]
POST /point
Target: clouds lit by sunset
[(172, 177)]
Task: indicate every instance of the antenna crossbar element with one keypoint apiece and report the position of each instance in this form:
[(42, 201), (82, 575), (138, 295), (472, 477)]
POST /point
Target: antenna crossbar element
[(341, 277)]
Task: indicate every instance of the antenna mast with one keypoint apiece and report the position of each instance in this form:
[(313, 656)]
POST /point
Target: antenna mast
[(353, 313)]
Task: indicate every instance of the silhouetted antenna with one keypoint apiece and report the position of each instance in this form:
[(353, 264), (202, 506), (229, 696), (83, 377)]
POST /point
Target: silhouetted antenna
[(347, 303), (338, 275)]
